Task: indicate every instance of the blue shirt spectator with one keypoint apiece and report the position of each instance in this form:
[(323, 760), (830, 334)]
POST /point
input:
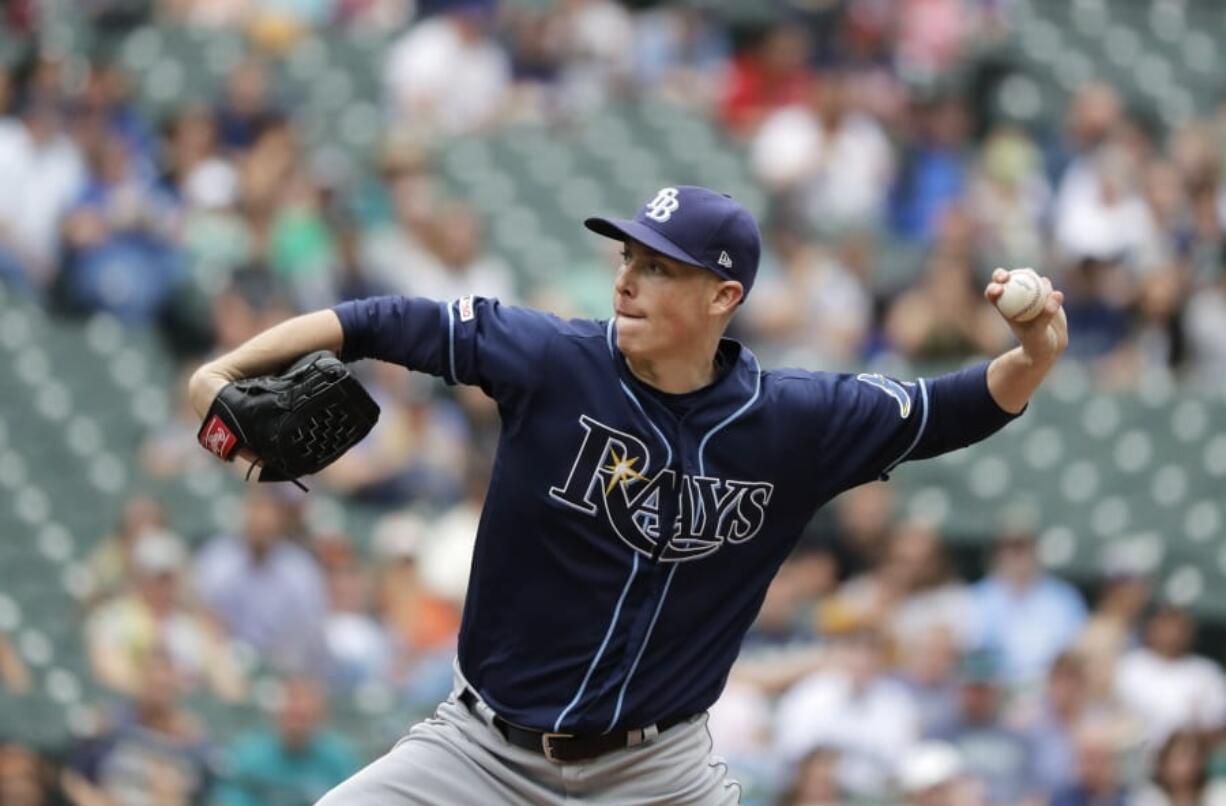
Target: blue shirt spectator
[(999, 758), (1023, 615), (267, 591)]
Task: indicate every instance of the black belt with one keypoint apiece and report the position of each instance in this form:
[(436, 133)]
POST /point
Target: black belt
[(566, 746)]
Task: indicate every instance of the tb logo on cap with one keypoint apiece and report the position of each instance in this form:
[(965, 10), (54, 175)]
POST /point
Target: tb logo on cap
[(662, 207)]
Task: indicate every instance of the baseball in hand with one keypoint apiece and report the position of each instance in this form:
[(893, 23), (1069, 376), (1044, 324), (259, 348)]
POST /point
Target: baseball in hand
[(1023, 297)]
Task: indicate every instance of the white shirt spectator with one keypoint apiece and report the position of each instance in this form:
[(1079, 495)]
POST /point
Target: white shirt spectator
[(597, 42), (1099, 215), (1205, 327), (444, 79), (843, 176), (947, 606), (1168, 694), (1151, 795), (40, 181), (872, 727)]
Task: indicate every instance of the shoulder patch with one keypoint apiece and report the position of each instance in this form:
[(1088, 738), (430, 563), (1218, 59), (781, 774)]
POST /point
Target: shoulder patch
[(891, 387), (467, 311)]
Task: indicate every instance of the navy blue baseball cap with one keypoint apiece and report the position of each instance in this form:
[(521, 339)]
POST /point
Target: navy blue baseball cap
[(693, 225)]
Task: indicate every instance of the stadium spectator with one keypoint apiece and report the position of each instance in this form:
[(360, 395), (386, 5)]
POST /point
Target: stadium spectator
[(998, 757), (206, 184), (420, 621), (359, 646), (396, 246), (931, 35), (1205, 328), (26, 777), (931, 774), (1100, 214), (1053, 721), (928, 663), (1008, 196), (121, 237), (909, 592), (153, 753), (447, 75), (293, 763), (1181, 774), (942, 318), (456, 262), (152, 619), (1098, 779), (864, 520), (828, 158), (595, 40), (1165, 684), (265, 589), (43, 173), (933, 170), (245, 107), (110, 561), (932, 597), (816, 780), (767, 74), (301, 249), (680, 52), (1098, 297), (1024, 615), (856, 708), (814, 308), (1114, 627), (253, 298)]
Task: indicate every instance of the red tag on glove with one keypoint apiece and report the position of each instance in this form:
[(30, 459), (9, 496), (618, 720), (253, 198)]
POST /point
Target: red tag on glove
[(217, 438)]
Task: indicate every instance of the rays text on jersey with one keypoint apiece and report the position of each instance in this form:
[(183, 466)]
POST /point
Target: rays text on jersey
[(612, 478)]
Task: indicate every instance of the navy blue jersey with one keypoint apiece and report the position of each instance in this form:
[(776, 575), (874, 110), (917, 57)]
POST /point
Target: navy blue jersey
[(583, 614)]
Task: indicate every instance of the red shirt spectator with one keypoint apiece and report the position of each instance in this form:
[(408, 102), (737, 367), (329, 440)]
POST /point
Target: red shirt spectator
[(772, 73)]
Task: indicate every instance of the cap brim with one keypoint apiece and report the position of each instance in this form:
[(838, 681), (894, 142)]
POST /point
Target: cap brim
[(620, 229)]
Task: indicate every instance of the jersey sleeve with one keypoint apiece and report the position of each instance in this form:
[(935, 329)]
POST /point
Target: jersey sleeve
[(872, 423), (471, 340)]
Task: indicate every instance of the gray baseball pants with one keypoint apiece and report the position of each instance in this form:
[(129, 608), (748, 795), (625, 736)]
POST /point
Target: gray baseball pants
[(457, 758)]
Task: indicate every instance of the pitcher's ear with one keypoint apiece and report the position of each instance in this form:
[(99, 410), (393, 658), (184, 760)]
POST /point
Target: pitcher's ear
[(727, 297)]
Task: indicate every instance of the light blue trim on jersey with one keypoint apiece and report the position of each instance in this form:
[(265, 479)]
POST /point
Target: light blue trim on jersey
[(668, 461), (621, 695), (451, 339), (923, 424), (634, 569), (757, 390)]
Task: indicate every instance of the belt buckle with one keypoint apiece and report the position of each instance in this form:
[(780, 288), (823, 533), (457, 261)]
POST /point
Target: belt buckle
[(547, 746)]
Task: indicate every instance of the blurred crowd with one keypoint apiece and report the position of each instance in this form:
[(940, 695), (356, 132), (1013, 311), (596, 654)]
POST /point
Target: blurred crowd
[(878, 671)]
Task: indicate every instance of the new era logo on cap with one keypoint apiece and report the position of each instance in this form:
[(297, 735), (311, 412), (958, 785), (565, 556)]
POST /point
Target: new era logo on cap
[(693, 225)]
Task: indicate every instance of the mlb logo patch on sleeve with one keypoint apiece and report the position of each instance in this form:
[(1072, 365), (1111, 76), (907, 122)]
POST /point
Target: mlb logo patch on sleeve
[(892, 388), (467, 312)]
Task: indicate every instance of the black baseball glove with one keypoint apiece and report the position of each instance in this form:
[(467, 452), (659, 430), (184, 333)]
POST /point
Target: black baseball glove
[(296, 423)]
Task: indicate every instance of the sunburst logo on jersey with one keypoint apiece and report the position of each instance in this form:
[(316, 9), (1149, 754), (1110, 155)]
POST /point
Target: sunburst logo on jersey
[(620, 470)]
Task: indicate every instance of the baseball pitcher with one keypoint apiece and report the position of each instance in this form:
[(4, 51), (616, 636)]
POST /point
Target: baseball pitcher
[(650, 478)]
